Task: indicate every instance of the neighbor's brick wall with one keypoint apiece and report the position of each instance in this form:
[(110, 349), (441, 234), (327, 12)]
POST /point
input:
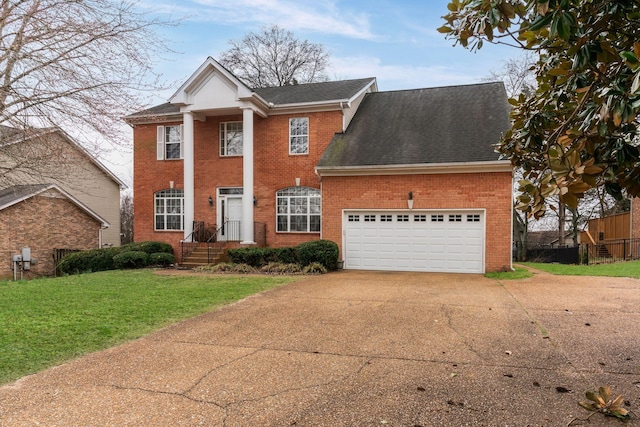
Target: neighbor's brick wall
[(274, 169), (490, 191), (43, 223)]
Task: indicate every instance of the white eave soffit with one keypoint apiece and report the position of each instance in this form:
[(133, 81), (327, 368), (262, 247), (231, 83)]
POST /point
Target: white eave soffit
[(417, 169)]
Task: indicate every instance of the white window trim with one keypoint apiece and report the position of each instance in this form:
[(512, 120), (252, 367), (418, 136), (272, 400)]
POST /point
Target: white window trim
[(297, 136), (308, 214), (223, 134), (161, 152), (165, 213)]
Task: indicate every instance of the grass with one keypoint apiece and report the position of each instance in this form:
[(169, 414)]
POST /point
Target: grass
[(518, 273), (48, 321), (619, 269)]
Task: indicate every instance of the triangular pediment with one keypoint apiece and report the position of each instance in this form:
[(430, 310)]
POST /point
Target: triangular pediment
[(211, 87)]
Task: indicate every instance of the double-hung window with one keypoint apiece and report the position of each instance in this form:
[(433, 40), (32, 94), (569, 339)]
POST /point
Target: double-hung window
[(299, 135), (231, 139), (298, 210), (170, 142), (169, 210)]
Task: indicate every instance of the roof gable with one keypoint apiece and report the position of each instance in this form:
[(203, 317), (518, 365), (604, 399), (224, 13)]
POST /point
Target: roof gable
[(9, 136), (19, 193), (445, 125)]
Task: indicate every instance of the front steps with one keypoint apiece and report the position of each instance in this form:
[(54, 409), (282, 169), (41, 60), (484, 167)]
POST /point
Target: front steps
[(200, 257)]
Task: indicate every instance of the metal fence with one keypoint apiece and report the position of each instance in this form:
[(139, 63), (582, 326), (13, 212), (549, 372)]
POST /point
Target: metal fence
[(610, 251), (562, 255)]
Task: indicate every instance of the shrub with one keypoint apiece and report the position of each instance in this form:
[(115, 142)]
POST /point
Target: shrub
[(150, 247), (286, 255), (243, 269), (88, 261), (222, 267), (314, 268), (250, 256), (162, 258), (281, 268), (324, 252), (131, 259)]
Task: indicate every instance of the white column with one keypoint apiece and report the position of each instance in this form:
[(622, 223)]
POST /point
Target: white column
[(187, 140), (247, 177)]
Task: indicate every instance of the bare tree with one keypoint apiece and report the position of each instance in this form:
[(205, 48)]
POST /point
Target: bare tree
[(274, 57), (126, 219), (75, 64), (517, 74)]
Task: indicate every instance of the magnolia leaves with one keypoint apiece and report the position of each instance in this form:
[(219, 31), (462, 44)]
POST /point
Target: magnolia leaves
[(602, 401)]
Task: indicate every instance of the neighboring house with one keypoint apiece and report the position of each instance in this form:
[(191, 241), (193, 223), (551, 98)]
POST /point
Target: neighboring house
[(548, 239), (402, 180), (44, 217), (50, 156)]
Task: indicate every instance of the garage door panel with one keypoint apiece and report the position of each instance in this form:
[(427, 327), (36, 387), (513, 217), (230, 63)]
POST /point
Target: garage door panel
[(427, 241)]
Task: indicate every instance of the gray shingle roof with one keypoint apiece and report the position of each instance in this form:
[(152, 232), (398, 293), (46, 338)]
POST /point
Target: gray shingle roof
[(313, 92), (282, 95), (423, 126), (16, 192)]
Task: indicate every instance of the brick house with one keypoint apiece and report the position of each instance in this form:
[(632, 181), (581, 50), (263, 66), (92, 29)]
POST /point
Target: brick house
[(51, 156), (401, 180), (43, 217)]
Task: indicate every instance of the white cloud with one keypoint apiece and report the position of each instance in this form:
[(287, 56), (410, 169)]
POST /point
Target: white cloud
[(323, 17), (393, 77)]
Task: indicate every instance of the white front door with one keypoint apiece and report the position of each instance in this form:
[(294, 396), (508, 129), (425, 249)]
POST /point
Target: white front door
[(229, 216)]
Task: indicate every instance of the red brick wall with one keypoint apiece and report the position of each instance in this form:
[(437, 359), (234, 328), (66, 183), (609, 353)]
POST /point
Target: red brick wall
[(635, 218), (274, 169), (42, 224), (490, 191)]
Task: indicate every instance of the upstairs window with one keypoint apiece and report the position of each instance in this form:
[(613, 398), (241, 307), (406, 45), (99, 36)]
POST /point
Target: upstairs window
[(170, 143), (299, 135), (298, 210), (231, 139), (169, 210)]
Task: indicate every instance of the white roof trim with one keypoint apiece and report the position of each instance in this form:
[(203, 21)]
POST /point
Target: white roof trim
[(47, 187), (417, 169), (180, 97)]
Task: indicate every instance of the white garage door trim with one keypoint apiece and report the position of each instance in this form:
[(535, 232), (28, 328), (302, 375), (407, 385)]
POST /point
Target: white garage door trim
[(434, 240)]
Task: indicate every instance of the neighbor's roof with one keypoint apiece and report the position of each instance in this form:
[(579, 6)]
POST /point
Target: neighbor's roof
[(17, 193), (308, 93), (9, 136), (440, 125)]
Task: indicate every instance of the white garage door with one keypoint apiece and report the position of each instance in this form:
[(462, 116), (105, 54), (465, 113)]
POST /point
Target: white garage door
[(436, 241)]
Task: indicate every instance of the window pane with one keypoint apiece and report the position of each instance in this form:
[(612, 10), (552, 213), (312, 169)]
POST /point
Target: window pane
[(283, 205), (159, 222), (172, 134), (231, 139), (173, 151), (314, 223), (299, 205), (298, 223), (314, 205), (282, 223), (173, 222)]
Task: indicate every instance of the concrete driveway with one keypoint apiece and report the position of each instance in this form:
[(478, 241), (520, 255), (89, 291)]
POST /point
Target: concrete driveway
[(357, 348)]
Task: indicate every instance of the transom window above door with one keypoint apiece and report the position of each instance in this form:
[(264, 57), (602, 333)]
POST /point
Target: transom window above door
[(231, 139)]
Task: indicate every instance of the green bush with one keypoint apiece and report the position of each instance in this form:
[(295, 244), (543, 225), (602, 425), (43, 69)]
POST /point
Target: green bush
[(324, 252), (88, 261), (131, 259), (250, 256), (149, 247), (161, 258)]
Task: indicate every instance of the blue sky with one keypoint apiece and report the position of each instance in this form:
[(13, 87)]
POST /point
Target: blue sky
[(395, 41)]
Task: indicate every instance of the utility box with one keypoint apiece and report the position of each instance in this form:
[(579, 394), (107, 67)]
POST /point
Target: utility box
[(26, 259)]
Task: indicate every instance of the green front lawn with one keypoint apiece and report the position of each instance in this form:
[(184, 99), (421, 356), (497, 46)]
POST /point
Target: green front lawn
[(45, 322), (619, 269)]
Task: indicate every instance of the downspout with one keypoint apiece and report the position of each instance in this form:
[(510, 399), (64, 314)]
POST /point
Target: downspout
[(343, 118)]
